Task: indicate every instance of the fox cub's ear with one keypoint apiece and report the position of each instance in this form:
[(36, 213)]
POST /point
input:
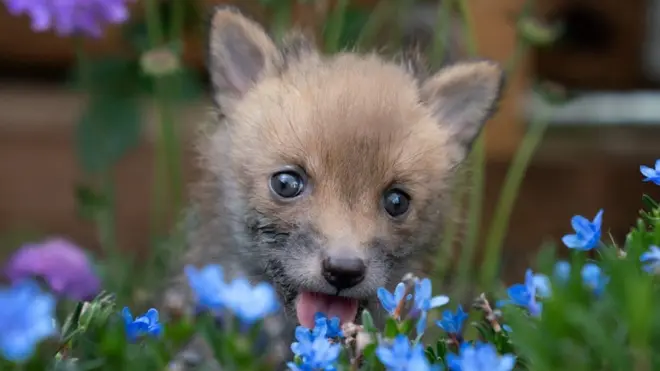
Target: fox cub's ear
[(240, 53), (463, 97)]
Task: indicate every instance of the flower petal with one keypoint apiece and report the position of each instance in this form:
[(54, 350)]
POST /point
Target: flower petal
[(580, 223), (572, 241), (386, 299), (507, 362), (598, 219), (438, 301), (399, 292)]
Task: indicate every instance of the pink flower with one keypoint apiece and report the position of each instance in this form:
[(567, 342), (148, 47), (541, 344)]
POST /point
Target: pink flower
[(63, 265)]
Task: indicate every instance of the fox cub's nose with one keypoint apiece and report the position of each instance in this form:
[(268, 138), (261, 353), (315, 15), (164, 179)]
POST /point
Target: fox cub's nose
[(343, 272)]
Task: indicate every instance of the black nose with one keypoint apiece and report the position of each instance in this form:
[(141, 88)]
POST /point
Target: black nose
[(342, 272)]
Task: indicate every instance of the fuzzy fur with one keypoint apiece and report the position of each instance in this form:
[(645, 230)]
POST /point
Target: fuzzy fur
[(356, 124)]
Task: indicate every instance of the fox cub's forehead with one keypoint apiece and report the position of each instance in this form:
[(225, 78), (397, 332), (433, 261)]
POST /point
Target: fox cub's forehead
[(342, 116)]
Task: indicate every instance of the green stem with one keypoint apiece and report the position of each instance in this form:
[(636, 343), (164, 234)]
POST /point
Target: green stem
[(381, 12), (177, 19), (499, 226), (478, 160), (475, 203), (335, 27), (105, 217), (281, 19), (440, 44), (468, 27), (168, 151), (451, 224)]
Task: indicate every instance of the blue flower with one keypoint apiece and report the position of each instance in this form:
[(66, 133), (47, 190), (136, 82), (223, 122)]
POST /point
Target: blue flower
[(390, 301), (543, 286), (480, 357), (146, 325), (651, 175), (314, 349), (423, 300), (333, 327), (400, 356), (452, 323), (562, 270), (592, 276), (250, 303), (524, 295), (208, 285), (651, 258), (587, 233), (26, 318)]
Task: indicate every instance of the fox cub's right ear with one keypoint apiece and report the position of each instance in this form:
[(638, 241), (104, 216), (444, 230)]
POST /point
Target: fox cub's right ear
[(240, 53)]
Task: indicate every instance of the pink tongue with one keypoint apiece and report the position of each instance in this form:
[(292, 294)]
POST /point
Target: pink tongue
[(308, 303)]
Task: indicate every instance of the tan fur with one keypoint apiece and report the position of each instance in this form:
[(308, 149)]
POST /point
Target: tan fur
[(357, 125)]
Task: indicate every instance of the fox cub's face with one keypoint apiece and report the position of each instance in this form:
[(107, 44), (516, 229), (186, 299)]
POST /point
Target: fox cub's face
[(334, 169)]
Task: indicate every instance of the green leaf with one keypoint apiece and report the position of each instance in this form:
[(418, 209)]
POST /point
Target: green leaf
[(110, 127), (89, 202), (406, 327), (391, 328), (108, 75), (71, 323), (368, 322), (649, 202)]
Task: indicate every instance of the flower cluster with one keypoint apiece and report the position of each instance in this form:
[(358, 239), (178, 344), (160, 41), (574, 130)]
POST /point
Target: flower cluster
[(249, 303), (28, 312), (67, 17)]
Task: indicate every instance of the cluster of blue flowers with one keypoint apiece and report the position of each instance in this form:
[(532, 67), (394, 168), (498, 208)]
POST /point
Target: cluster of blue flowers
[(248, 303), (401, 354), (587, 237), (27, 312), (318, 348)]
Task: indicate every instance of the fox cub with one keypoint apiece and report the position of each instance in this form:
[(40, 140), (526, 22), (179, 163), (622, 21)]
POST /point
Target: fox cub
[(328, 176)]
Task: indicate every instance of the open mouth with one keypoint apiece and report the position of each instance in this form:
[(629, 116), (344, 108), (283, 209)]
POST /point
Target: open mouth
[(309, 303)]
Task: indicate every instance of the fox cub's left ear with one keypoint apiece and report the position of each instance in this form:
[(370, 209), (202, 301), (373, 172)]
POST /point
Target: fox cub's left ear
[(240, 54), (463, 97)]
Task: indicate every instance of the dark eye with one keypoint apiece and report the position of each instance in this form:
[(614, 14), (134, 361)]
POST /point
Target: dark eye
[(287, 184), (396, 202)]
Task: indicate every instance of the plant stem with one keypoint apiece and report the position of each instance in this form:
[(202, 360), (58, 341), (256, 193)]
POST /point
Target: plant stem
[(335, 27), (105, 219), (105, 216), (177, 19), (507, 198), (281, 19), (458, 190), (168, 151), (381, 12), (440, 40), (478, 159)]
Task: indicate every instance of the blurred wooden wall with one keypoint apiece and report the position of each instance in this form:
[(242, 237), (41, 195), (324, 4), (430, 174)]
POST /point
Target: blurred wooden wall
[(38, 168)]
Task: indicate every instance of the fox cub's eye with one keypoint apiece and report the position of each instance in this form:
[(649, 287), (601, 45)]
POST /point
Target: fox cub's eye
[(396, 202), (287, 184)]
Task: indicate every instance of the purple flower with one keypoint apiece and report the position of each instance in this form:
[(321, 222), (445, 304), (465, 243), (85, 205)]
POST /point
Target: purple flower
[(63, 265), (70, 17)]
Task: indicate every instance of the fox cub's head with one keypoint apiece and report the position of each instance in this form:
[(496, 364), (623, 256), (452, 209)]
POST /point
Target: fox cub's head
[(334, 170)]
